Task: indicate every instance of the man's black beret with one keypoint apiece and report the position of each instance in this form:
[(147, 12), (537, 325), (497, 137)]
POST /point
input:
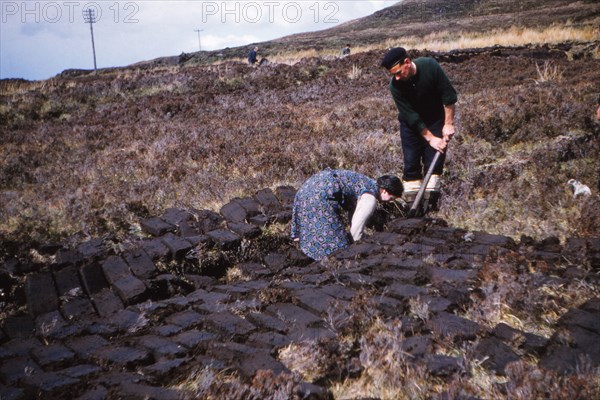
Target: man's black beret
[(393, 56)]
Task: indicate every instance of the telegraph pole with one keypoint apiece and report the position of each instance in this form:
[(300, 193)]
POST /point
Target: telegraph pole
[(90, 16), (199, 42)]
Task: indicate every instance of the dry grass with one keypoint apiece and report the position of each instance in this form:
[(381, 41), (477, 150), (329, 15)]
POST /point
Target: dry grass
[(447, 40), (307, 359), (210, 384), (548, 73), (355, 73), (291, 58), (513, 36)]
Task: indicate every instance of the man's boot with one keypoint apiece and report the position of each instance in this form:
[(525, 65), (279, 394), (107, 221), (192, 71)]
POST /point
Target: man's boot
[(411, 188), (432, 196)]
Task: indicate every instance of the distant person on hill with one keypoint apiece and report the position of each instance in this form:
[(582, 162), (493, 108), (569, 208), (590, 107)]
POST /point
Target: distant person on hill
[(345, 52), (318, 223), (425, 100), (252, 57)]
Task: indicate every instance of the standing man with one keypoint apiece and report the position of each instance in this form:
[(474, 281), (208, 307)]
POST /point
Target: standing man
[(425, 100), (252, 56)]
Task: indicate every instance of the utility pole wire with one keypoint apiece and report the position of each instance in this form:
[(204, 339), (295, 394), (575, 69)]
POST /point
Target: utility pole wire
[(90, 17), (199, 42)]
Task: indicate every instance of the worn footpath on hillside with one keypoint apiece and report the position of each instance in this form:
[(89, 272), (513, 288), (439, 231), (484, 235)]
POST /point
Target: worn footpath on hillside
[(130, 319)]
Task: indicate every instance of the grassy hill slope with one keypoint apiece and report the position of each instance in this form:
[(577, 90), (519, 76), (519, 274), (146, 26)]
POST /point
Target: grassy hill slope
[(407, 20)]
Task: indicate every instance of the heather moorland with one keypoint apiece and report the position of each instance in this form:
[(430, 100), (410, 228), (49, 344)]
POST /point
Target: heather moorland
[(89, 157)]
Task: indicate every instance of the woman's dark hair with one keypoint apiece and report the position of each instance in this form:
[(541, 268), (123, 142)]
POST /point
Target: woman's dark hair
[(392, 184)]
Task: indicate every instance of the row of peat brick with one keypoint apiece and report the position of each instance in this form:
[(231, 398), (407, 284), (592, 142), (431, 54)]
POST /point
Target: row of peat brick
[(92, 319)]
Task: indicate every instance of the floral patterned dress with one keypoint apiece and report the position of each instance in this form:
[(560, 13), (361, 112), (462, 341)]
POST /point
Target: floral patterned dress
[(318, 219)]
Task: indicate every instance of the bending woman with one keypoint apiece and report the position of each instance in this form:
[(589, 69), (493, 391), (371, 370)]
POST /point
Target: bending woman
[(319, 205)]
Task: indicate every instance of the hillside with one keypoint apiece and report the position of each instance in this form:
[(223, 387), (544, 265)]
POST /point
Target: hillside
[(421, 18), (144, 210), (91, 154)]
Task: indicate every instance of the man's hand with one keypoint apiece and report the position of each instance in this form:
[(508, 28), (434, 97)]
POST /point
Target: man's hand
[(439, 144), (447, 132)]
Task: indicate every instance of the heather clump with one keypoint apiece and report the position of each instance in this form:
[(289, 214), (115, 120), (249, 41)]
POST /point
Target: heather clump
[(503, 295), (388, 370), (520, 145), (207, 383)]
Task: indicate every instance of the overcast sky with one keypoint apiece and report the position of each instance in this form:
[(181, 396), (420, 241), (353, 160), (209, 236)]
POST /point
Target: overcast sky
[(39, 39)]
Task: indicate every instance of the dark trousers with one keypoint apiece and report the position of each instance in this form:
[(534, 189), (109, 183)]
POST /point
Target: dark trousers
[(418, 154)]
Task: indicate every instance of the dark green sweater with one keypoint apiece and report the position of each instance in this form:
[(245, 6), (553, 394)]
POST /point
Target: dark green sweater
[(421, 99)]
